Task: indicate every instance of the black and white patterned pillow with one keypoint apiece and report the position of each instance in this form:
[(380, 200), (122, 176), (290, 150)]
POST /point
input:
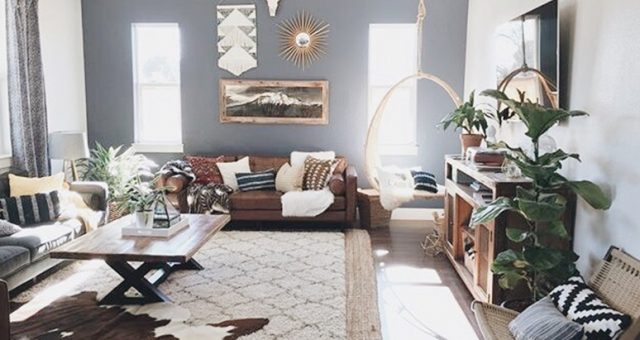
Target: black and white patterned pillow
[(424, 181), (580, 304), (253, 181), (28, 210)]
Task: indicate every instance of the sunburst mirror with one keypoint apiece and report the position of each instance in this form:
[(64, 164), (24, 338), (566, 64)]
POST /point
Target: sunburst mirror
[(303, 39)]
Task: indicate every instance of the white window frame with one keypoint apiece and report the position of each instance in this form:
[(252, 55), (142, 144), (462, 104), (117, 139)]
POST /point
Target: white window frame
[(411, 148), (140, 145)]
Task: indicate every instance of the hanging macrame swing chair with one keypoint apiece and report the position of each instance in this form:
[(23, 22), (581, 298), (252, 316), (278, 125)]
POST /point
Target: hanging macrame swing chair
[(372, 156)]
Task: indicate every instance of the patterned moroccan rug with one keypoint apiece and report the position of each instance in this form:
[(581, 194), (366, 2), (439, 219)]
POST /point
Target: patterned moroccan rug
[(255, 286)]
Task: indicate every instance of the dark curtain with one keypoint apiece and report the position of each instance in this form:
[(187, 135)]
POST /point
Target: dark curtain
[(27, 104)]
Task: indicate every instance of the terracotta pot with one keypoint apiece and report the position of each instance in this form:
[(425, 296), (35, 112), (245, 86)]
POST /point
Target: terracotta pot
[(470, 140)]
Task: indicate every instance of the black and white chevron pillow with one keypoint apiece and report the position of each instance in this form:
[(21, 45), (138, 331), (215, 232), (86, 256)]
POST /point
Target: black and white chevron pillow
[(580, 304)]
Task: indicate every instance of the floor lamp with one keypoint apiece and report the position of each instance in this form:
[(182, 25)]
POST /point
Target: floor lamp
[(68, 147)]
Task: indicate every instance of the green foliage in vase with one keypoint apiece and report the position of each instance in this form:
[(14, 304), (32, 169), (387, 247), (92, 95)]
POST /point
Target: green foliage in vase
[(119, 169), (537, 263), (468, 118), (142, 196)]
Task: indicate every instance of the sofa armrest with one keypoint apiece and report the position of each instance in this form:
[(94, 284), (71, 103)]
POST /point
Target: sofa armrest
[(351, 193), (174, 184), (95, 194), (5, 311)]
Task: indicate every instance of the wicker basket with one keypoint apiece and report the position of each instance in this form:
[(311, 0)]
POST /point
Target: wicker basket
[(115, 213), (372, 214)]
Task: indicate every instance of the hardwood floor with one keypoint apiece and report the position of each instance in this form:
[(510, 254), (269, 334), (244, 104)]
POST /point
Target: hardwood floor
[(420, 297)]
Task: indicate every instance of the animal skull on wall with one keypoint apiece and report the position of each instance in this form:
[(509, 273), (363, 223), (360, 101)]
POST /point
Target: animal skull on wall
[(273, 7)]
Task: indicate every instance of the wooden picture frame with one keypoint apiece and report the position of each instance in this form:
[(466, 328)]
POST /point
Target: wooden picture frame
[(274, 102)]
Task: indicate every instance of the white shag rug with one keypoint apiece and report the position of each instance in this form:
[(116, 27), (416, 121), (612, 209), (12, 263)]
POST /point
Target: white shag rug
[(294, 279)]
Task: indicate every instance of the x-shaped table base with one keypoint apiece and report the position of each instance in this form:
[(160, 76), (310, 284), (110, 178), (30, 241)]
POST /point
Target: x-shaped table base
[(136, 278)]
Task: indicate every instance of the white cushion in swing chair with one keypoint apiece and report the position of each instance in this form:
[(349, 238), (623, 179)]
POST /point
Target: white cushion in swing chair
[(396, 186)]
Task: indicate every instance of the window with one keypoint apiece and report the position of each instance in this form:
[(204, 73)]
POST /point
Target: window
[(5, 136), (156, 66), (392, 57)]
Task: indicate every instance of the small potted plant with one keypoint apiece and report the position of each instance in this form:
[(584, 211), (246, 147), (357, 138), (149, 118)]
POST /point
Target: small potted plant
[(471, 120), (141, 200)]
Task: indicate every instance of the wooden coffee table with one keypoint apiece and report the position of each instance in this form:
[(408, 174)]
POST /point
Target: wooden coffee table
[(165, 255)]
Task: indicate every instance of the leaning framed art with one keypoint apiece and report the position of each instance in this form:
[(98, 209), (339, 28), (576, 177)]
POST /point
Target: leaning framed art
[(274, 102)]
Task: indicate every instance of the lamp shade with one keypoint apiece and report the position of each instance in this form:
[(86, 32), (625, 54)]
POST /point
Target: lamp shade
[(68, 145)]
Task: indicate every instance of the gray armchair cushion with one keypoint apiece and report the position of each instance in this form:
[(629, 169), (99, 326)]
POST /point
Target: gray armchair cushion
[(12, 259)]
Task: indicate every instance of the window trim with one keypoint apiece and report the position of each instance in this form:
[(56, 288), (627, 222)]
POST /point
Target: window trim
[(411, 148), (6, 161), (141, 145)]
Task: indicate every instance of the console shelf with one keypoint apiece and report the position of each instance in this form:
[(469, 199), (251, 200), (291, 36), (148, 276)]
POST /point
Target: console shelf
[(471, 251)]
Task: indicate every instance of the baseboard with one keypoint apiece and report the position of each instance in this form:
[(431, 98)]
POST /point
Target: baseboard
[(413, 216)]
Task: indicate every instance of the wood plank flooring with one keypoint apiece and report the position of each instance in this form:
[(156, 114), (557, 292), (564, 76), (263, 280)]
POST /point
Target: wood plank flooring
[(420, 297)]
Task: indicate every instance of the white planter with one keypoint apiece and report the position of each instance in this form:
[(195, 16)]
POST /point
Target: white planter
[(144, 219)]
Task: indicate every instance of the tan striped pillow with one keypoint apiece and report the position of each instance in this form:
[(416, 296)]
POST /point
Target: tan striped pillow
[(317, 172)]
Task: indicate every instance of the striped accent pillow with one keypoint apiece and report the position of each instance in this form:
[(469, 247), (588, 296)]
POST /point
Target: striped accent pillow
[(424, 181), (543, 320), (252, 181), (32, 209)]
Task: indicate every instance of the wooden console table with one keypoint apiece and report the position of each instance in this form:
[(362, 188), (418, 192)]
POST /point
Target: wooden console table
[(471, 251)]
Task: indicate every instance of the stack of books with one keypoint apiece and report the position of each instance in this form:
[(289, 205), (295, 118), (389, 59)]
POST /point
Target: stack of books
[(485, 159), (482, 194)]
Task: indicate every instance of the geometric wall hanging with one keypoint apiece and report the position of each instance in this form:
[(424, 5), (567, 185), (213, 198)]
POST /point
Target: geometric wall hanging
[(303, 39), (237, 38)]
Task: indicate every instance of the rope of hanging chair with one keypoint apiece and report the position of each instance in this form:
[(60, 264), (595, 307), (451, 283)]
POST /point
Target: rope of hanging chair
[(422, 14)]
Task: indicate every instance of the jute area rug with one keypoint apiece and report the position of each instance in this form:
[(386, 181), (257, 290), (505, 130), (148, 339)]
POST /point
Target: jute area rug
[(266, 285)]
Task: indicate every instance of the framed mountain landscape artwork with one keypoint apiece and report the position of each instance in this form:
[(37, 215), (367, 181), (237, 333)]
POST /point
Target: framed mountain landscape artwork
[(274, 102)]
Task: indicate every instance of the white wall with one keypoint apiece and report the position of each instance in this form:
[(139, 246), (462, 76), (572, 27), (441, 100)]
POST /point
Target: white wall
[(599, 40), (63, 59)]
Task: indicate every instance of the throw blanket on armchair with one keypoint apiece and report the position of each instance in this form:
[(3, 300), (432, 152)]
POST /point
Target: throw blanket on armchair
[(306, 203), (202, 198), (208, 198)]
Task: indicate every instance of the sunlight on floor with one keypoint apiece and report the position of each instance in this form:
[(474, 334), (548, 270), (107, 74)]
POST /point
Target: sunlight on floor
[(415, 305), (53, 292)]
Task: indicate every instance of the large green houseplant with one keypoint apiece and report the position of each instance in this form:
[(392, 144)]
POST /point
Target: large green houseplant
[(537, 263), (118, 168), (471, 120)]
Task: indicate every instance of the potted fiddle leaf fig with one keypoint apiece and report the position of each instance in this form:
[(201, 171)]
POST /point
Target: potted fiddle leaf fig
[(536, 262), (471, 120)]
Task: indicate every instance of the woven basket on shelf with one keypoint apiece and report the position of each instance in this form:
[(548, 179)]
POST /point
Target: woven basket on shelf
[(115, 213), (372, 214)]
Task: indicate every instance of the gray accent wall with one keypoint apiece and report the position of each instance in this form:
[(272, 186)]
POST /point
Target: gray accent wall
[(109, 82)]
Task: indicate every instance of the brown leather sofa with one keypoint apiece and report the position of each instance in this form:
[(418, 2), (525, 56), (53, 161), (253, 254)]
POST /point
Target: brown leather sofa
[(266, 205)]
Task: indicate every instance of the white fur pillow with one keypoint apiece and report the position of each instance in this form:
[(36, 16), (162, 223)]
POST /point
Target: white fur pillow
[(396, 186), (298, 158), (229, 171), (289, 178)]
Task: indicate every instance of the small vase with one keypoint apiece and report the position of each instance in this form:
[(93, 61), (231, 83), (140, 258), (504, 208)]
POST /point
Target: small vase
[(468, 141), (144, 219)]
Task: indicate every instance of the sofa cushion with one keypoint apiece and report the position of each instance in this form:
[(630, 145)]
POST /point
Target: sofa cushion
[(12, 259), (270, 200), (42, 238), (261, 163)]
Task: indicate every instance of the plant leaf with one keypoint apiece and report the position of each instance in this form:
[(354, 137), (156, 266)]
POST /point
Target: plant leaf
[(492, 210), (591, 193), (557, 229), (543, 258), (541, 211), (517, 235), (510, 280)]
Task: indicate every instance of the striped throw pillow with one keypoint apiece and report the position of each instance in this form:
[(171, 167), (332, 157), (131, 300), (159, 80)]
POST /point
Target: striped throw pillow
[(543, 320), (424, 181), (32, 209), (252, 181)]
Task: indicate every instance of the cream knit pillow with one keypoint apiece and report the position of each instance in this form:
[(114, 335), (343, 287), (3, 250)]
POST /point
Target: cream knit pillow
[(289, 178), (229, 171)]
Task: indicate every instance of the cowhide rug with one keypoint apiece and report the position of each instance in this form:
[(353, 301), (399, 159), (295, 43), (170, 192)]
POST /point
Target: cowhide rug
[(79, 317)]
